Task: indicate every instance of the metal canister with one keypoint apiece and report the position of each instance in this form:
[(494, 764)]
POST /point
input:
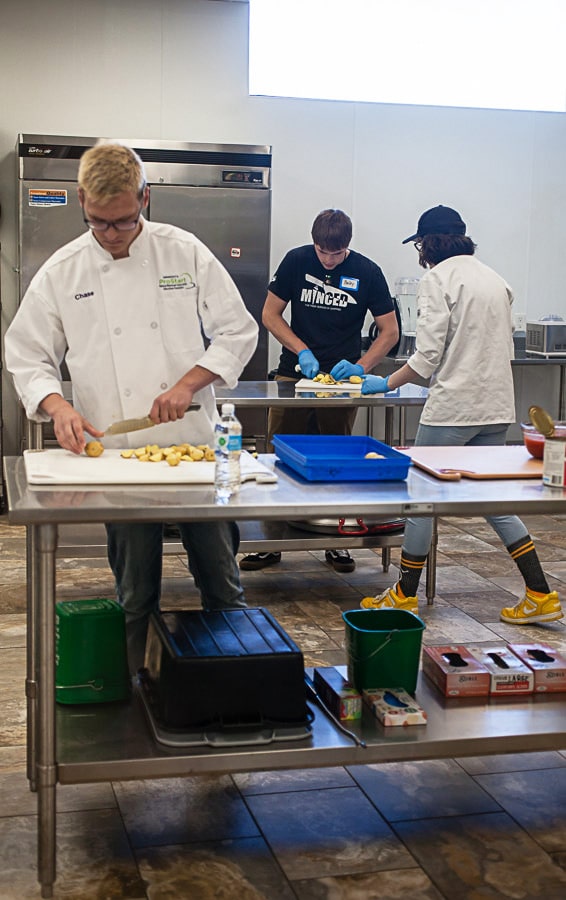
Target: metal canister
[(554, 456), (554, 461)]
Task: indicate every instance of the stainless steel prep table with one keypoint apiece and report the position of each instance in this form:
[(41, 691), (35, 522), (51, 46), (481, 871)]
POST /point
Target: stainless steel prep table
[(261, 536), (282, 393), (113, 742)]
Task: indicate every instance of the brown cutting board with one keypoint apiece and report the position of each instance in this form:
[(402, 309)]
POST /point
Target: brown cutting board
[(454, 463)]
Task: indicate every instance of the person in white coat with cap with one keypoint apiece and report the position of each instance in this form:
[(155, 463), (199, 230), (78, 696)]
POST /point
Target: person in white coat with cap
[(147, 320), (464, 345)]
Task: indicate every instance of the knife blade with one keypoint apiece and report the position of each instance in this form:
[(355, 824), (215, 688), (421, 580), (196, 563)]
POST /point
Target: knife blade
[(326, 374), (127, 425)]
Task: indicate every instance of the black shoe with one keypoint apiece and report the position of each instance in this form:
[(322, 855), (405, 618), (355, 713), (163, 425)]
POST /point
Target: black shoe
[(259, 561), (340, 560)]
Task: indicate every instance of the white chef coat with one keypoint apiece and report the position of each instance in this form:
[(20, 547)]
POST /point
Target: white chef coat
[(129, 329), (464, 344)]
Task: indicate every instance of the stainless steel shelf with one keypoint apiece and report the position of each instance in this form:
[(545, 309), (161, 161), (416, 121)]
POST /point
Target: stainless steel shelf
[(113, 741), (89, 541)]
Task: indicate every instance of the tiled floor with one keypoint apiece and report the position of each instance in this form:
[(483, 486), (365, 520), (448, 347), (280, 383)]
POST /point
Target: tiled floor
[(462, 829)]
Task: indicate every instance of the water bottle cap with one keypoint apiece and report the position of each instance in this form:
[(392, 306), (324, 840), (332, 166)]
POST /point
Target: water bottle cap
[(227, 409)]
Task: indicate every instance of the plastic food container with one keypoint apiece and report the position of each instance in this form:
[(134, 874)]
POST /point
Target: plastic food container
[(534, 440), (320, 457)]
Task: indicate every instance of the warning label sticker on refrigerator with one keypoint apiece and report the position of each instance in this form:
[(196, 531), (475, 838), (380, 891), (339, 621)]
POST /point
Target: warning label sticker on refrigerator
[(47, 198)]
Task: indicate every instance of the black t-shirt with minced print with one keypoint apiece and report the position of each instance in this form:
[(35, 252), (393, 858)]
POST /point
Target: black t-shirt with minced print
[(328, 307)]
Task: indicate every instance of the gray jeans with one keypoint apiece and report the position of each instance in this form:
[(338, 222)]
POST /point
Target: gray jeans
[(135, 553), (418, 531)]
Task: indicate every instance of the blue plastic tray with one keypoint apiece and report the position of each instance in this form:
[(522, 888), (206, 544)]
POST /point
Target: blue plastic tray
[(340, 457)]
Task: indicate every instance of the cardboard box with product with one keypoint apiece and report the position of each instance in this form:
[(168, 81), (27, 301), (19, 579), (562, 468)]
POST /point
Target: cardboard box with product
[(454, 670), (508, 674), (548, 665), (394, 706), (337, 694)]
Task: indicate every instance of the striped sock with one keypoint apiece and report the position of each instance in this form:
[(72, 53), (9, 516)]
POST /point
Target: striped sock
[(410, 569), (525, 555)]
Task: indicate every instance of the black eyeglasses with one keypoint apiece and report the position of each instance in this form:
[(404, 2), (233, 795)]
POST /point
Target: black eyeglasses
[(120, 225)]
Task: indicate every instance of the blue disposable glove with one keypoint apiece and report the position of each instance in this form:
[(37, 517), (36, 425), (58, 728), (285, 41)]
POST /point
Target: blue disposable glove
[(343, 369), (309, 364), (375, 384)]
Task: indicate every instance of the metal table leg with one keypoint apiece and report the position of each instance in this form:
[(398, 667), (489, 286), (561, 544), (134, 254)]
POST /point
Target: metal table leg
[(388, 435), (31, 653), (431, 565), (403, 426), (46, 751)]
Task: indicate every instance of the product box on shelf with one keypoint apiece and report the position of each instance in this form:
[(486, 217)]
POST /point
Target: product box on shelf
[(394, 706), (455, 671), (508, 674), (548, 665), (341, 698)]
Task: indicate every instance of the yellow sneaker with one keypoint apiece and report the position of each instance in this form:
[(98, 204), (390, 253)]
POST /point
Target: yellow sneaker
[(532, 609), (390, 599)]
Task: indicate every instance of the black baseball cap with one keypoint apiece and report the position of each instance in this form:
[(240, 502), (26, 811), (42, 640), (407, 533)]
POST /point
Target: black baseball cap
[(438, 220)]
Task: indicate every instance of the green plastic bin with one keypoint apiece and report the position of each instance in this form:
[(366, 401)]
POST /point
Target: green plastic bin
[(383, 647), (91, 653)]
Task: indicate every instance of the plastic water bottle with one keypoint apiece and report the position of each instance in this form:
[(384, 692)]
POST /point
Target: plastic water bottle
[(227, 448)]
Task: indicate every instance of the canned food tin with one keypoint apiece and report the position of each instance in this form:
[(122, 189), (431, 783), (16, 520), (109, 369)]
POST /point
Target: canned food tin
[(554, 462)]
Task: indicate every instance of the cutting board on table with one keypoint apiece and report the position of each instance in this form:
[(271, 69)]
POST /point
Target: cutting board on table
[(454, 463), (57, 466), (307, 384)]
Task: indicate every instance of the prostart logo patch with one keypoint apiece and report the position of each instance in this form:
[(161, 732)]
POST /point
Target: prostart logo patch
[(181, 282)]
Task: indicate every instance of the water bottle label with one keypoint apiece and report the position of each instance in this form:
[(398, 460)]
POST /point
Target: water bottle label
[(235, 442)]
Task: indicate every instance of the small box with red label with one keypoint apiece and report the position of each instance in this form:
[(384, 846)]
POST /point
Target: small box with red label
[(508, 674), (341, 698), (455, 671), (548, 665)]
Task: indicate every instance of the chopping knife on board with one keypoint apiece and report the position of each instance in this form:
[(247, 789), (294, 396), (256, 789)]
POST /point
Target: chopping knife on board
[(127, 425)]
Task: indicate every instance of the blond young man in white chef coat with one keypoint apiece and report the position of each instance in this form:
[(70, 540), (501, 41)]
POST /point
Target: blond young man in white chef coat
[(126, 305)]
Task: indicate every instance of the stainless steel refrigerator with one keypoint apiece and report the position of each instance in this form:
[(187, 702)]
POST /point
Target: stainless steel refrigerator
[(219, 192)]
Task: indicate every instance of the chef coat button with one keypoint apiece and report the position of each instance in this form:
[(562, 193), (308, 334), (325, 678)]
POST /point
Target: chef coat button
[(145, 262), (154, 325), (117, 331), (127, 393), (163, 385), (105, 268)]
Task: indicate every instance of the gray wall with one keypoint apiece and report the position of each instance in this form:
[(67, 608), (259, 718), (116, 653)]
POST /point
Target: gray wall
[(177, 70)]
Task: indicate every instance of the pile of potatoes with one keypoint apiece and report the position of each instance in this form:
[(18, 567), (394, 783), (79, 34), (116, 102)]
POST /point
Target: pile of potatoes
[(328, 379), (154, 453), (171, 455)]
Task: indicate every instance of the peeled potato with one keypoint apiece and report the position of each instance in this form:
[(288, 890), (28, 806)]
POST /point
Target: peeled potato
[(172, 455), (94, 448), (355, 379), (373, 455)]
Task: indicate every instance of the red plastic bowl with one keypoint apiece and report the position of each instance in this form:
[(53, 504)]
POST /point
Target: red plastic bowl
[(534, 440)]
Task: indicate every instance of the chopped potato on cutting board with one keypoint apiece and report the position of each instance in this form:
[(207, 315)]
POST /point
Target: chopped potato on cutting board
[(172, 455), (94, 448)]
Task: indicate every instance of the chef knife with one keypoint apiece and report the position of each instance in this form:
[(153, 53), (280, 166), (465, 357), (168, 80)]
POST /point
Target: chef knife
[(127, 425), (298, 370)]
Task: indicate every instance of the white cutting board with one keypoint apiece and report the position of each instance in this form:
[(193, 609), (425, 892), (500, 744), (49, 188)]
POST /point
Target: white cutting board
[(307, 384), (57, 466)]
